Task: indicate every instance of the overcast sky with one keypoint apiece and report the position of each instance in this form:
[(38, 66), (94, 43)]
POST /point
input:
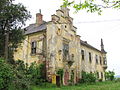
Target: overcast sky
[(91, 27)]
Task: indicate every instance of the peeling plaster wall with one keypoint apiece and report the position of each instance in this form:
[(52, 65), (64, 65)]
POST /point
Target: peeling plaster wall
[(24, 50), (60, 28), (92, 67)]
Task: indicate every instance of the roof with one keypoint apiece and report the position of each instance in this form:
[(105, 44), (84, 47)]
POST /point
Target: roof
[(32, 28), (84, 43)]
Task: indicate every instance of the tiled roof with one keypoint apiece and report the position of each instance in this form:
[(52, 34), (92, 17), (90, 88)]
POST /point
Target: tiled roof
[(84, 43), (32, 28)]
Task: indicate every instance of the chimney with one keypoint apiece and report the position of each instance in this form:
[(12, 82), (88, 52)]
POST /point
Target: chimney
[(39, 18)]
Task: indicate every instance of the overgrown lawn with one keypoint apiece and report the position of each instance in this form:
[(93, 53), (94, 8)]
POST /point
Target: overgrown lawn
[(97, 86)]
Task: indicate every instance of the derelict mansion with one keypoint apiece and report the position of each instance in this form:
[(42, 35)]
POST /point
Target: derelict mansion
[(56, 43)]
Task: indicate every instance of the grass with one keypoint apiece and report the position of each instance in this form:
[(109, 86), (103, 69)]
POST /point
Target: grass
[(96, 86)]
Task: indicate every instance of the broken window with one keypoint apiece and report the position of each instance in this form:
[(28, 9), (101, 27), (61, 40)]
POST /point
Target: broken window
[(96, 57), (90, 57), (101, 75), (33, 47), (65, 51), (98, 75), (82, 53)]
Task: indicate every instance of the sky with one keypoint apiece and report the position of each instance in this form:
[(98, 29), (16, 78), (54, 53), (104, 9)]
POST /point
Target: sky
[(90, 26)]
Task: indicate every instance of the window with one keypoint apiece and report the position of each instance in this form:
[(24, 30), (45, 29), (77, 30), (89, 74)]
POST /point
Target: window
[(33, 47), (90, 57), (104, 61), (101, 75), (96, 57), (98, 75), (65, 51), (100, 60), (82, 53), (65, 26), (72, 57)]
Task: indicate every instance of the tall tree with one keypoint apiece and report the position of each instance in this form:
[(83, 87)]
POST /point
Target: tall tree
[(12, 18), (92, 5)]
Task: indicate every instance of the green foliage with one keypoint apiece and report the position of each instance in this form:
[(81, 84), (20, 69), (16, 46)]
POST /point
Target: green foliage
[(6, 75), (92, 5), (21, 81), (37, 74), (20, 77), (88, 77), (109, 75), (117, 80), (60, 73), (12, 18)]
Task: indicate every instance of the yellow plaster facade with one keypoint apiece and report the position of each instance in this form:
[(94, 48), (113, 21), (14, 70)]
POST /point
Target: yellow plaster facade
[(57, 43)]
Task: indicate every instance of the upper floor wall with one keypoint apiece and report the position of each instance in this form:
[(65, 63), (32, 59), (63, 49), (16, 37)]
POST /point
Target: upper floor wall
[(92, 59)]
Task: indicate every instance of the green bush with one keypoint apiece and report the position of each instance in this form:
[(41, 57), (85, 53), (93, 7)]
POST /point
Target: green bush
[(6, 75), (37, 74), (88, 77), (19, 76), (109, 75), (117, 80), (60, 73), (21, 81)]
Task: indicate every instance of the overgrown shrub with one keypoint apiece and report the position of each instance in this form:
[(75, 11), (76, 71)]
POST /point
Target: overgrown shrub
[(117, 80), (36, 73), (60, 73), (19, 76), (109, 75), (88, 77), (6, 75), (21, 81)]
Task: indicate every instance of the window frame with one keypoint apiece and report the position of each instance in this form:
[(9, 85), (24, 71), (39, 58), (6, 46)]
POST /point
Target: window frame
[(90, 57), (83, 54), (96, 59), (33, 47)]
